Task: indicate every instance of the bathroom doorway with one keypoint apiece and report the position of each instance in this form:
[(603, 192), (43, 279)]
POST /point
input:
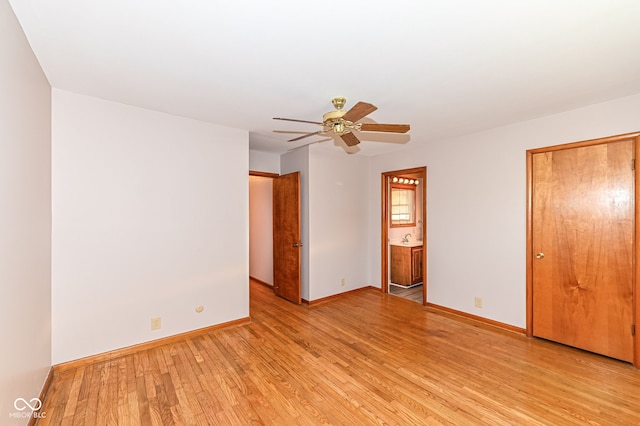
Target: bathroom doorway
[(404, 233)]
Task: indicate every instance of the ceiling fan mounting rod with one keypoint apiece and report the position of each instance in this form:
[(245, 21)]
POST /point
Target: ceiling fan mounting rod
[(339, 102)]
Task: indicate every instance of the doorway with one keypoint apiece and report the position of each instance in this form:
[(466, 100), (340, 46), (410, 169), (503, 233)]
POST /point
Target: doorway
[(274, 233), (404, 233), (261, 227), (581, 245)]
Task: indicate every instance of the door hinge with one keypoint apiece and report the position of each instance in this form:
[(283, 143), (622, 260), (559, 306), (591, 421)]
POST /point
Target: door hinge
[(633, 329), (633, 164)]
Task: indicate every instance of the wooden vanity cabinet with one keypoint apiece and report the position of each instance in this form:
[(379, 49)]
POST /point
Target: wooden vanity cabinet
[(406, 265)]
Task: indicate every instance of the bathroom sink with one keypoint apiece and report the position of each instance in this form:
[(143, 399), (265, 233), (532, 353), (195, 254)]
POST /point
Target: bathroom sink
[(408, 244)]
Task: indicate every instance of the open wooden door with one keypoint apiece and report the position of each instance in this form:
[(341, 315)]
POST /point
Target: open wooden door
[(583, 247), (287, 244)]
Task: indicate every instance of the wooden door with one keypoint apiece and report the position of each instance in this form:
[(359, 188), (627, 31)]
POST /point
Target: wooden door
[(582, 246), (286, 237)]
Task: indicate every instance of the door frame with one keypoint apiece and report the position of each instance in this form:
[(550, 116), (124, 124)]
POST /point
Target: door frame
[(636, 237), (422, 173)]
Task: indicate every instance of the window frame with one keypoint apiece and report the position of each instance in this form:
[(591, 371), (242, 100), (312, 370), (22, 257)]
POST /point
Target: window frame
[(411, 205)]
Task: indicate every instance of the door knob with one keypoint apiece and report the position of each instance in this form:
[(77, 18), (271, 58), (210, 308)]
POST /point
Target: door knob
[(539, 255)]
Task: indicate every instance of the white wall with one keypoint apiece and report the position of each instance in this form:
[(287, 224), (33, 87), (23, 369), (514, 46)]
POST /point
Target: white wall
[(25, 220), (264, 162), (338, 213), (150, 216), (476, 205), (261, 228), (334, 210)]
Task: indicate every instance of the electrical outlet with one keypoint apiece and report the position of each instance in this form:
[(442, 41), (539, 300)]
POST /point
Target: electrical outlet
[(478, 302), (343, 282), (156, 323)]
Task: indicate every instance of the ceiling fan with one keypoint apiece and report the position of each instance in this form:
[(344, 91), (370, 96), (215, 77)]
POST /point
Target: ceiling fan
[(344, 123)]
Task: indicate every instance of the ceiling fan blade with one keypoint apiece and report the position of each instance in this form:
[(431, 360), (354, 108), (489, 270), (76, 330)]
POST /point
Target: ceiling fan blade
[(305, 136), (350, 139), (298, 121), (359, 110), (393, 128)]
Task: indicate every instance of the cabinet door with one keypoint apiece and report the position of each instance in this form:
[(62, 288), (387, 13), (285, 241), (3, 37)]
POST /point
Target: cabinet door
[(401, 265), (416, 265)]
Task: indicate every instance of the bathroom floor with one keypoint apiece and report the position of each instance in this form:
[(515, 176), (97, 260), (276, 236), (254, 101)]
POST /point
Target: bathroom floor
[(414, 293)]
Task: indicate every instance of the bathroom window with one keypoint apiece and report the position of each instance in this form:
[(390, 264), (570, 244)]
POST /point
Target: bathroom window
[(403, 205)]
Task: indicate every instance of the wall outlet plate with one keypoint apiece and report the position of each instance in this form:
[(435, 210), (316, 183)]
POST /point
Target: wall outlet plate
[(156, 323)]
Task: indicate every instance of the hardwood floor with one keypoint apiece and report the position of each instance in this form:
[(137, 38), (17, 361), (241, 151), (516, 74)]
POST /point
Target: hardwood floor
[(365, 358)]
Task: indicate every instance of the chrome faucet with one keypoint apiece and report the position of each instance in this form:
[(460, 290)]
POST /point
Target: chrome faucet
[(405, 239)]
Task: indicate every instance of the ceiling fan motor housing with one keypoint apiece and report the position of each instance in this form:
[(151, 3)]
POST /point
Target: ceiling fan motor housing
[(333, 121), (333, 115)]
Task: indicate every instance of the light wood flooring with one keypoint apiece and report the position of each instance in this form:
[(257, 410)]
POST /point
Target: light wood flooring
[(364, 358)]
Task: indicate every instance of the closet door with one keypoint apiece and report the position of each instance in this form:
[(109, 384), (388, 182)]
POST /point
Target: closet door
[(582, 225)]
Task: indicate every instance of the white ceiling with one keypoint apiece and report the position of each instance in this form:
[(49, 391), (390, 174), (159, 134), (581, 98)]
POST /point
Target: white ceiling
[(447, 67)]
